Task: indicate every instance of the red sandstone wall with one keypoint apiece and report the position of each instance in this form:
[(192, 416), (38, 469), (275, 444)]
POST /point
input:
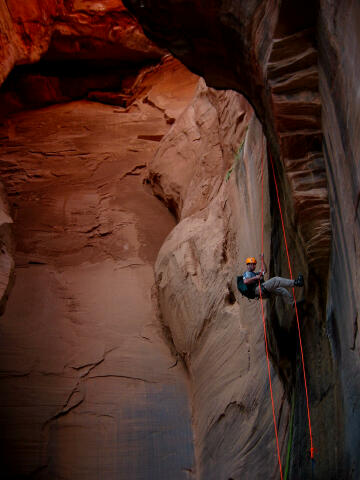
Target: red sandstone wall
[(88, 387), (204, 37), (72, 30), (276, 63)]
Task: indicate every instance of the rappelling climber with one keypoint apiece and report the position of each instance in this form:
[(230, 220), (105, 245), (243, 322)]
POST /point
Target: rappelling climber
[(248, 283)]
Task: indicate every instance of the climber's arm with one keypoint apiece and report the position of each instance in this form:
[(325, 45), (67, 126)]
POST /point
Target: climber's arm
[(250, 280)]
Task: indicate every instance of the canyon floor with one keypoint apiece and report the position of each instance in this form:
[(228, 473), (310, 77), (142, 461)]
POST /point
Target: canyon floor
[(88, 385)]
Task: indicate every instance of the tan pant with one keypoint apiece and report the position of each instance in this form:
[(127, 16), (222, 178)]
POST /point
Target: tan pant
[(278, 286)]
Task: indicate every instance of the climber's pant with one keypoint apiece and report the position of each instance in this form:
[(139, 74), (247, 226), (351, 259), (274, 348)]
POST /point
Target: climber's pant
[(278, 286)]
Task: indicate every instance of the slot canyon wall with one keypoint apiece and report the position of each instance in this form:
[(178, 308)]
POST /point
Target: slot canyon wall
[(89, 387), (218, 334), (297, 63)]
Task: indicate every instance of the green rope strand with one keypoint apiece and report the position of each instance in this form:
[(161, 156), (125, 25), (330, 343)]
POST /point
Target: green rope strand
[(237, 157), (288, 452)]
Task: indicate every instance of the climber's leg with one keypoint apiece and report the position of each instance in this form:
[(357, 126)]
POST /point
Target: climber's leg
[(276, 282), (280, 291), (278, 285)]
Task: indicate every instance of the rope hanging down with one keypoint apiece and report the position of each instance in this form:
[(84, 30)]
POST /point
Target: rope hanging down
[(296, 311), (263, 319)]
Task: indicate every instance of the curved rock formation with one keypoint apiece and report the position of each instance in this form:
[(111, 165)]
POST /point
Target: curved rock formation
[(275, 65), (189, 165), (280, 47), (217, 146)]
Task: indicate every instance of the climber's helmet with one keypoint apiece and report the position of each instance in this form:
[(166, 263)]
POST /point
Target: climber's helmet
[(251, 260)]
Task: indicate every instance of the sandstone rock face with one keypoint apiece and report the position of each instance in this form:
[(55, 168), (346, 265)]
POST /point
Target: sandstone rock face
[(75, 30), (102, 31), (6, 250), (203, 35), (279, 75), (218, 334), (29, 89), (293, 77), (339, 79), (45, 84), (276, 64), (188, 168), (89, 388)]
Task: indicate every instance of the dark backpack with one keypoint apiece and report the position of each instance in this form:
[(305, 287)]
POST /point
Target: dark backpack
[(245, 291)]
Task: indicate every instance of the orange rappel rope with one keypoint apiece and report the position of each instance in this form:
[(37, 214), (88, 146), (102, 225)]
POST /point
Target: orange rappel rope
[(296, 311), (263, 318)]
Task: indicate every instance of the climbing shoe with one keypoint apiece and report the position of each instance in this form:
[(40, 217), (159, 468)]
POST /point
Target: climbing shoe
[(299, 282)]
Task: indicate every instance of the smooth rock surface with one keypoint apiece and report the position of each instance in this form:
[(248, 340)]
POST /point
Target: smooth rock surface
[(276, 63), (189, 166), (89, 388), (218, 334)]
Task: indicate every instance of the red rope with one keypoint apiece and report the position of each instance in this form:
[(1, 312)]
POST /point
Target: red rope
[(263, 318), (271, 390), (296, 311)]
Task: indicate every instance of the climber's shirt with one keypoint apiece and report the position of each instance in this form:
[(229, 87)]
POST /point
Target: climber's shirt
[(252, 286), (248, 274)]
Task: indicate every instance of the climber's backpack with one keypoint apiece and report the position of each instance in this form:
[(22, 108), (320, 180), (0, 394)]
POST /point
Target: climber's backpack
[(244, 289)]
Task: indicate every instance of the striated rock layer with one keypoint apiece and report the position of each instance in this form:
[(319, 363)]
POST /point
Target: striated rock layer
[(88, 387), (339, 80)]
